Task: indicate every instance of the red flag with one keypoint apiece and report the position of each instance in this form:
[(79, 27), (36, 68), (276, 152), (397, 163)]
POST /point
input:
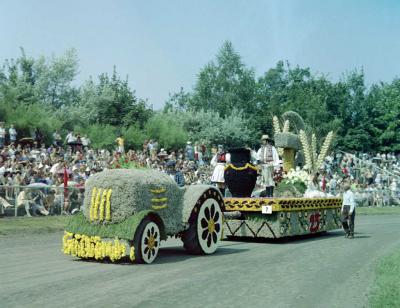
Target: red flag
[(65, 181)]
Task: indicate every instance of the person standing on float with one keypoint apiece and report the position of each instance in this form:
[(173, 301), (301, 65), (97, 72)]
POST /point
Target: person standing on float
[(218, 162), (268, 158)]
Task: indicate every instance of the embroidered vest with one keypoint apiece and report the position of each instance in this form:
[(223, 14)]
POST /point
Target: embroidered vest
[(266, 154)]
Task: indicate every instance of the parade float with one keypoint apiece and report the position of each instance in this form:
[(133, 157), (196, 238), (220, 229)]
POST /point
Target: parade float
[(128, 212), (295, 209)]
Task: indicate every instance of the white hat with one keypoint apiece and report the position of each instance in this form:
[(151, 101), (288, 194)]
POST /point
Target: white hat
[(189, 142)]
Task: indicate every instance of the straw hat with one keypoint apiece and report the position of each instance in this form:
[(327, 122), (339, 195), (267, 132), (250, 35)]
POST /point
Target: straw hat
[(266, 137)]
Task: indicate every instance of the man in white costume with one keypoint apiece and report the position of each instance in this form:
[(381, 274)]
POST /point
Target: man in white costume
[(268, 158), (218, 162)]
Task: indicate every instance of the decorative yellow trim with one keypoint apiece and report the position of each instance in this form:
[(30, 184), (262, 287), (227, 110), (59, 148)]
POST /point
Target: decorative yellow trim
[(132, 253), (93, 200), (159, 207), (159, 200), (102, 203), (96, 204), (280, 204), (108, 205), (158, 191), (84, 246), (241, 168)]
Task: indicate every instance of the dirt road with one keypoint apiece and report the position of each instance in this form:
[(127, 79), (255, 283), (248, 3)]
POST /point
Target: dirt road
[(322, 271)]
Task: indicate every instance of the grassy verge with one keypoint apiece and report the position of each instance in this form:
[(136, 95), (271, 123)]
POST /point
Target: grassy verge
[(386, 289), (378, 210), (18, 225)]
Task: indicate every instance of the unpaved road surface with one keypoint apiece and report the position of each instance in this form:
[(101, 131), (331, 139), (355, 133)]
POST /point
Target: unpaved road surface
[(321, 271)]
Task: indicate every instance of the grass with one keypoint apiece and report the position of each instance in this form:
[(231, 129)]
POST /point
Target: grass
[(28, 225), (388, 210), (386, 289)]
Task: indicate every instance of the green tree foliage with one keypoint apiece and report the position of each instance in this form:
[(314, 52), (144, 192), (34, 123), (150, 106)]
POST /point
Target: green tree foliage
[(222, 85), (167, 130), (210, 127), (228, 104)]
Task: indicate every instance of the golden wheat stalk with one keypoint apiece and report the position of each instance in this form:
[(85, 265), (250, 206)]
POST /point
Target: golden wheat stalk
[(314, 150), (306, 149), (286, 127), (324, 149), (276, 124)]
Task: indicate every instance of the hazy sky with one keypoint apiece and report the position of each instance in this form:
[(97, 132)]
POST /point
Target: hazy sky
[(162, 45)]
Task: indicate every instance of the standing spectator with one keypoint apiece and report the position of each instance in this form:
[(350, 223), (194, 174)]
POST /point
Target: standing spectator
[(70, 138), (348, 211), (189, 152), (57, 141), (39, 137), (120, 143), (13, 134), (85, 142), (150, 147), (2, 134), (175, 174)]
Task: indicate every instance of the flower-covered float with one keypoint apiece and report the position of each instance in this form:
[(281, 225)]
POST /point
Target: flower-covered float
[(297, 208), (127, 212)]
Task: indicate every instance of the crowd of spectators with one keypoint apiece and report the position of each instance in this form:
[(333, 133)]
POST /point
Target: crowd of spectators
[(33, 175), (374, 178)]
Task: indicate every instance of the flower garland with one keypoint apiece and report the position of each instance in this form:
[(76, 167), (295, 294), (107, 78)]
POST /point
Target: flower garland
[(241, 168), (132, 254), (84, 246)]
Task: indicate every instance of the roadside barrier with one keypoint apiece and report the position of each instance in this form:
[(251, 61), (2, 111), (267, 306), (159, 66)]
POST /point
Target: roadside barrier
[(39, 199)]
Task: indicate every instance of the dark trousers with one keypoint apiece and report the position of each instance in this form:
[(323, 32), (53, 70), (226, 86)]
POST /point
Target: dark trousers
[(269, 191), (348, 220)]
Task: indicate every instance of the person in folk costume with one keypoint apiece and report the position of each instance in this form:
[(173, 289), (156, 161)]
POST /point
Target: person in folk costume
[(218, 162), (268, 158)]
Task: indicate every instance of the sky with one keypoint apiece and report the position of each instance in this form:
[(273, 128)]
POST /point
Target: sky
[(162, 45)]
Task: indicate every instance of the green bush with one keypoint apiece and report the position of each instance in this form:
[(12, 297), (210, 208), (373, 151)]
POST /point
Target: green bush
[(167, 129), (101, 136), (134, 137)]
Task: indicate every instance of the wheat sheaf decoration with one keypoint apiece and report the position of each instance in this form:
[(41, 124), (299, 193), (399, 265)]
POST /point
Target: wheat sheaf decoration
[(324, 149), (314, 161)]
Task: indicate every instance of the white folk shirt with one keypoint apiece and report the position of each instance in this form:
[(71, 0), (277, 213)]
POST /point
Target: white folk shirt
[(275, 156), (2, 132), (348, 199)]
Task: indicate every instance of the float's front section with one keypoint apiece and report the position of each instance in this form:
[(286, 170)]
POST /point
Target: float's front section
[(127, 212), (280, 217)]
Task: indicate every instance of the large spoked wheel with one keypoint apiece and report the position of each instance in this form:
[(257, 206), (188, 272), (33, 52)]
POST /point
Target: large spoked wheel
[(205, 229), (147, 241)]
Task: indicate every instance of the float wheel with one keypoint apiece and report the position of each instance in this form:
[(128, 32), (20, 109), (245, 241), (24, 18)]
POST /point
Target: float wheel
[(147, 241), (205, 226)]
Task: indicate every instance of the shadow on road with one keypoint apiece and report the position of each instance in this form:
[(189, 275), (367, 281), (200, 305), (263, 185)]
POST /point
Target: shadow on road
[(177, 254), (169, 255), (298, 239)]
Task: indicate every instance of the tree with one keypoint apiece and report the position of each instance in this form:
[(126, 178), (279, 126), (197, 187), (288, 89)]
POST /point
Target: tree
[(223, 85)]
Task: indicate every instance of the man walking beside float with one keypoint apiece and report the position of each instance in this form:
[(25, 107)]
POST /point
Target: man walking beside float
[(268, 158)]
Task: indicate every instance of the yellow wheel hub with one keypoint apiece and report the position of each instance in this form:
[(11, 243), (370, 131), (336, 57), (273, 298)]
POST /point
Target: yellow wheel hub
[(211, 225), (152, 242)]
